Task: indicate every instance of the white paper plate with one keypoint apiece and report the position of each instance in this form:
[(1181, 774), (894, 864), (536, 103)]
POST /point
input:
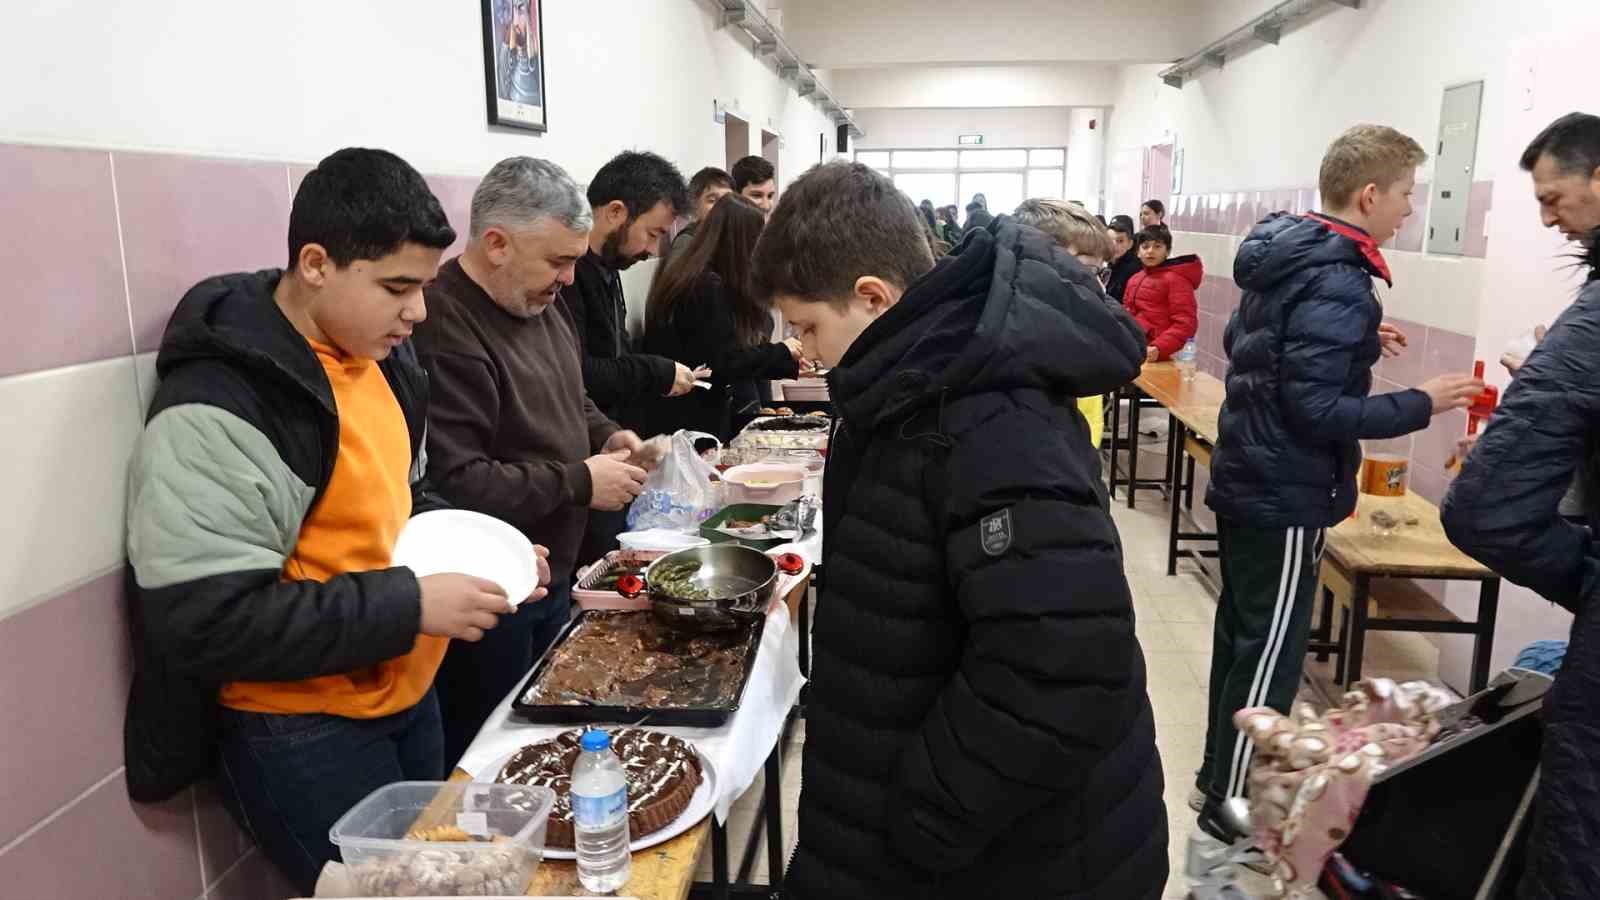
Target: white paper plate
[(700, 806), (455, 540)]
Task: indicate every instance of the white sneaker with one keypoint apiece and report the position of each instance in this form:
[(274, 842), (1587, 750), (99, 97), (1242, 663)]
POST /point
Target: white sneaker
[(1208, 869)]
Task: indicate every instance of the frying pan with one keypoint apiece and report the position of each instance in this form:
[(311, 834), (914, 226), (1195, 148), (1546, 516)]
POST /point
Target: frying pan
[(738, 583)]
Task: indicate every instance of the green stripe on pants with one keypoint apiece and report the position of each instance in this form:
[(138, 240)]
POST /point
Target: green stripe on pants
[(1258, 645)]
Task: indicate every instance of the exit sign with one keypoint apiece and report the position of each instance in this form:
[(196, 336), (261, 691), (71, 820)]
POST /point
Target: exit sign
[(969, 140)]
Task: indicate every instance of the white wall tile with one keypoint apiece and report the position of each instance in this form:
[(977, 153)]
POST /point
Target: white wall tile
[(63, 472)]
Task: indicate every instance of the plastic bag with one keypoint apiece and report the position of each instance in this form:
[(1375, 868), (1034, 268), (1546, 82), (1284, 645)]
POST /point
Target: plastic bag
[(679, 494)]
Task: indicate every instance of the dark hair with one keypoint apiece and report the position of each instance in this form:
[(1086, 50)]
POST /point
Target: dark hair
[(1102, 220), (839, 222), (947, 214), (708, 178), (1123, 225), (1156, 206), (1572, 141), (364, 204), (926, 208), (725, 245), (1155, 234), (641, 181), (752, 170)]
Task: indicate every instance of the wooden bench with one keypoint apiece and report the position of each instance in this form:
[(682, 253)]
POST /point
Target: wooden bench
[(1393, 604)]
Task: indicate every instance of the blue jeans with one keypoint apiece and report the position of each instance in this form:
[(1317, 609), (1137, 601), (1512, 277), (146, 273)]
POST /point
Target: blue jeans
[(288, 778), (476, 677)]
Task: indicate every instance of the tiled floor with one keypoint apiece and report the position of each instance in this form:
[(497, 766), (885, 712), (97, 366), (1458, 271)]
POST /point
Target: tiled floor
[(1174, 626)]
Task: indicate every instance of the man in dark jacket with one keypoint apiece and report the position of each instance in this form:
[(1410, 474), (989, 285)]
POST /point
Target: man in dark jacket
[(264, 500), (634, 198), (511, 432), (1504, 510), (977, 724), (1300, 353)]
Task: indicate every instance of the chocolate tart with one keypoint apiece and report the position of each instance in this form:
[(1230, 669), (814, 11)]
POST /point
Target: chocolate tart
[(662, 772)]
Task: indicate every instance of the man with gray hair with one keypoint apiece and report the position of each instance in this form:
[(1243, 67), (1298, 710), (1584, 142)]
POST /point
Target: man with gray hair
[(511, 431)]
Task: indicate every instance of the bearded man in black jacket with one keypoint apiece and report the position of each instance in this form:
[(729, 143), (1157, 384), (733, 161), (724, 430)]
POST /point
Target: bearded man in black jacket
[(977, 724)]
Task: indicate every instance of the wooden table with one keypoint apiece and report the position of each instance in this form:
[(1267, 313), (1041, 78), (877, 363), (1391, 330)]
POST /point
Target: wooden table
[(1192, 406), (1356, 556)]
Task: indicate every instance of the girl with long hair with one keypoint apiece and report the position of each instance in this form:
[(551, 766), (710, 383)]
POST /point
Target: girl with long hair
[(701, 308)]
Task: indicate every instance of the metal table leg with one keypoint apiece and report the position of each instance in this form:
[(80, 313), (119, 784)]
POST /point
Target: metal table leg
[(1361, 590), (1483, 641), (1134, 408), (719, 860), (1175, 453), (1116, 425), (774, 804)]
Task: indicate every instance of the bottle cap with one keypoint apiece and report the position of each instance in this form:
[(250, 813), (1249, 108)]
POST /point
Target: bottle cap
[(595, 739)]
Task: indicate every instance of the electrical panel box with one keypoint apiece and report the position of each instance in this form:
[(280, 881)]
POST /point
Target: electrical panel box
[(1453, 168)]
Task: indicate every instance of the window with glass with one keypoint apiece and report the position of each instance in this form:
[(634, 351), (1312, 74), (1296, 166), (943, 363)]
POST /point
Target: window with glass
[(1004, 175)]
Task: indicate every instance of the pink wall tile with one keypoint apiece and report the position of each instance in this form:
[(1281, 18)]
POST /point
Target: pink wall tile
[(1437, 443), (1447, 351), (109, 848), (1406, 368), (186, 218), (297, 174), (1479, 202), (222, 841), (1428, 482), (455, 195), (254, 879), (72, 716), (66, 302)]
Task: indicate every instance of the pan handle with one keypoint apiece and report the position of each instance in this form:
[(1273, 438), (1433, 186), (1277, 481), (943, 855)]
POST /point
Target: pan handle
[(630, 586)]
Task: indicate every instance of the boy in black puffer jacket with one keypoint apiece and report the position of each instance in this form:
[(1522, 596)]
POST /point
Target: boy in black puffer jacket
[(977, 724), (1300, 354)]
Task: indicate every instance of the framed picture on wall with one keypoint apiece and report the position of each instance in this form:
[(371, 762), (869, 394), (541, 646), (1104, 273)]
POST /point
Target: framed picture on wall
[(513, 63)]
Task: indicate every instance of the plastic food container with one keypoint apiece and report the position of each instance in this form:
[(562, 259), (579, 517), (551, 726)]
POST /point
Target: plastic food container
[(506, 824), (662, 539), (773, 483), (588, 595)]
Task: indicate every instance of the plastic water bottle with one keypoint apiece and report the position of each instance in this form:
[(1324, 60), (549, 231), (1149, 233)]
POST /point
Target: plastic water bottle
[(600, 815), (1185, 360)]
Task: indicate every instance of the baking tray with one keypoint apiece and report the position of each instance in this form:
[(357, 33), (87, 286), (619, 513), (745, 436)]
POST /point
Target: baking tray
[(747, 512), (696, 717)]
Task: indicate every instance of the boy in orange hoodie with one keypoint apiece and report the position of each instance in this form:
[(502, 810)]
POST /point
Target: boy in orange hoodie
[(1161, 297)]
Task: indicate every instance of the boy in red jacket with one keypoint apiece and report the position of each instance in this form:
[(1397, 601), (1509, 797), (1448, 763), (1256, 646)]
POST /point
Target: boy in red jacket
[(1161, 297)]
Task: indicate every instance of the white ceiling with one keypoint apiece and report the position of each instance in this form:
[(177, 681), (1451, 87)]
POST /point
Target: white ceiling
[(873, 33)]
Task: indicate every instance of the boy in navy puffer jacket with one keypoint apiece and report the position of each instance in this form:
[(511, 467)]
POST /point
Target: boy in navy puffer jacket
[(1300, 354)]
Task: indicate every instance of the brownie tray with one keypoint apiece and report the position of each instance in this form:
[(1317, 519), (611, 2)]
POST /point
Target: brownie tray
[(641, 712)]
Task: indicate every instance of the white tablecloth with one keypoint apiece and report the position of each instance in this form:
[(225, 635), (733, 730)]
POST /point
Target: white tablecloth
[(737, 750)]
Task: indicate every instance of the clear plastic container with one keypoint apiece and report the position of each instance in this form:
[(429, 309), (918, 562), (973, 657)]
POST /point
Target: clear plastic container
[(506, 823)]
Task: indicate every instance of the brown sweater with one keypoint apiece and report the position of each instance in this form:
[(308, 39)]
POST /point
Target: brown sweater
[(509, 423)]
